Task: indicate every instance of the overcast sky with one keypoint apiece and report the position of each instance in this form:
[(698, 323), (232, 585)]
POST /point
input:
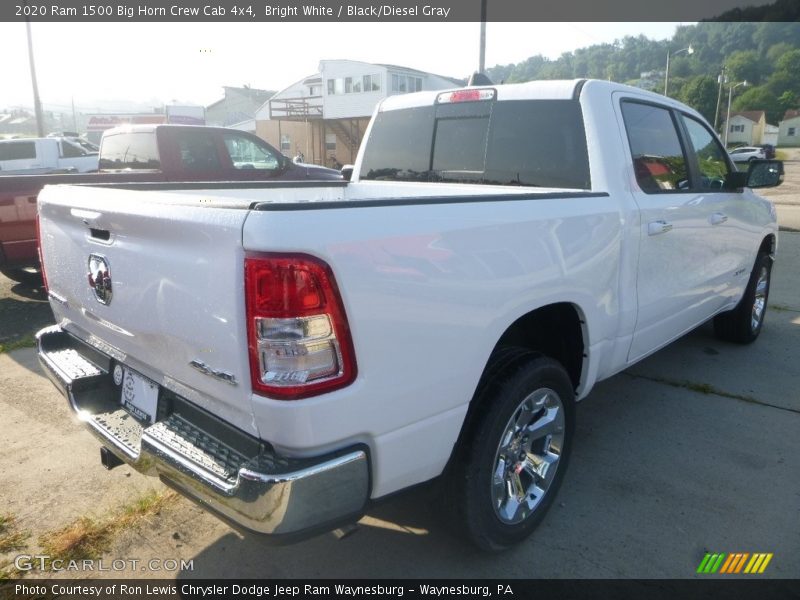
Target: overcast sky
[(190, 63)]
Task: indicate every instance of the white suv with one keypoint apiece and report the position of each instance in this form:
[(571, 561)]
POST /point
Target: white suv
[(747, 153)]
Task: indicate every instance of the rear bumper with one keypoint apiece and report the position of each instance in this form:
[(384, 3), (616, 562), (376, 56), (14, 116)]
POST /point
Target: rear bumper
[(239, 478)]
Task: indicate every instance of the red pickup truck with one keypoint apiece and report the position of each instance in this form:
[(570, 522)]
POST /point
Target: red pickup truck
[(146, 154)]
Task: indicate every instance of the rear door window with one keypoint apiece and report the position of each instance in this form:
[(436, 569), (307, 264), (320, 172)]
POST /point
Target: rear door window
[(658, 157), (197, 150)]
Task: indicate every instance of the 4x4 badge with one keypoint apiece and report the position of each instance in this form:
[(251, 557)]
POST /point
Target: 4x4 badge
[(100, 278)]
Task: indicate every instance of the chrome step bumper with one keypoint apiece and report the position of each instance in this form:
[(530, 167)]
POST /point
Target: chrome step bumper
[(238, 477)]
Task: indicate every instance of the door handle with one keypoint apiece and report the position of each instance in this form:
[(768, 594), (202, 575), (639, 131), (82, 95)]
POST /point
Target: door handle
[(718, 218), (657, 227)]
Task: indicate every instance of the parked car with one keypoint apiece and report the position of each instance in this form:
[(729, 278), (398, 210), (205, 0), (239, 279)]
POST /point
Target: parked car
[(748, 153), (285, 353), (769, 151), (139, 155), (34, 156)]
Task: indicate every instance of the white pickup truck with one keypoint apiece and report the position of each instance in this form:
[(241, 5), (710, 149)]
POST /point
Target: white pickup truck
[(38, 156), (285, 353)]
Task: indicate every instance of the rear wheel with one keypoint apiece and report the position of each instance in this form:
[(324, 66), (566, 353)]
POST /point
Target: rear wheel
[(511, 465), (743, 324)]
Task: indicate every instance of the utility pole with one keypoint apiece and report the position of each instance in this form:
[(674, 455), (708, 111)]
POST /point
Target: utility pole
[(728, 118), (37, 105), (688, 50), (721, 79), (74, 117), (482, 58)]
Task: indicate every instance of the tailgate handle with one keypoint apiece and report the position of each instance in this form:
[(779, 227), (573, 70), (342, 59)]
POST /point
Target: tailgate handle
[(100, 234)]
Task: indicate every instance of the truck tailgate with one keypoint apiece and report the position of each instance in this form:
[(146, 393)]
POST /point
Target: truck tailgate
[(171, 305)]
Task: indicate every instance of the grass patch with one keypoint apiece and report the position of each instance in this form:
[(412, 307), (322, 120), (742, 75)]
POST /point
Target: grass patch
[(781, 155), (707, 388), (9, 538), (703, 388), (26, 341), (782, 308), (89, 538)]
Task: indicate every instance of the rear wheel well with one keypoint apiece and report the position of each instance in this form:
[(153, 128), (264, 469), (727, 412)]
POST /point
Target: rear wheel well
[(768, 246), (555, 330)]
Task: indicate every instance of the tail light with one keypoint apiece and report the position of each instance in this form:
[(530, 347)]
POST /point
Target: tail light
[(471, 95), (299, 340), (39, 250)]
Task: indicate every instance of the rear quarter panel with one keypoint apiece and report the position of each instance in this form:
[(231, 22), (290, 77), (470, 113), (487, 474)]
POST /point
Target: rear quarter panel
[(428, 291)]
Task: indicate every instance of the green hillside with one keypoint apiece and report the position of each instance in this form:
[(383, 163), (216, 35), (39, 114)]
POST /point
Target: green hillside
[(767, 55)]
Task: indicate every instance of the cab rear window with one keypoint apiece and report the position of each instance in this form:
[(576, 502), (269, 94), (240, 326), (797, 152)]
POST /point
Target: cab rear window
[(129, 151), (539, 143)]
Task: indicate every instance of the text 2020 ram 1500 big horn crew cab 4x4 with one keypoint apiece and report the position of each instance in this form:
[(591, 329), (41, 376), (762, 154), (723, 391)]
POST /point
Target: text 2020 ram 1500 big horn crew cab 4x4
[(284, 353)]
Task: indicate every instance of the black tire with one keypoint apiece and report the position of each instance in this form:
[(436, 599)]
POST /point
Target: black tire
[(743, 324), (20, 275), (489, 464)]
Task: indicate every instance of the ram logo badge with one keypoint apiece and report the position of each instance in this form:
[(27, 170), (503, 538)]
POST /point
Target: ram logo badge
[(100, 278), (206, 370)]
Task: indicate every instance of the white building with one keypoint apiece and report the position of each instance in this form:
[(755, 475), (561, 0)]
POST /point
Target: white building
[(325, 114), (745, 127), (789, 129)]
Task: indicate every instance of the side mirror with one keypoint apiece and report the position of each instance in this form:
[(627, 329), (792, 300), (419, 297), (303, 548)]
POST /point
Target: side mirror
[(765, 173), (759, 174), (347, 172)]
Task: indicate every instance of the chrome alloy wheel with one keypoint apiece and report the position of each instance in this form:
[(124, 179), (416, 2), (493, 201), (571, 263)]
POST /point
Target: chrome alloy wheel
[(760, 301), (527, 457)]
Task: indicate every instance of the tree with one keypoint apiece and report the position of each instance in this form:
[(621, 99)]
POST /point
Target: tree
[(760, 98), (775, 52), (701, 94), (745, 65), (788, 101)]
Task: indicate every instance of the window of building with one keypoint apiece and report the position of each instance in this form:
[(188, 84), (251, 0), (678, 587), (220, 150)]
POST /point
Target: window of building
[(375, 80), (286, 142), (331, 86), (406, 83), (658, 159), (330, 141), (313, 90), (737, 128), (348, 85), (792, 132)]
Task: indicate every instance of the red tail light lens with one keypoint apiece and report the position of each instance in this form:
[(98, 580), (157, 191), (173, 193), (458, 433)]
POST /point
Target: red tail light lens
[(470, 95), (298, 336), (39, 250)]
